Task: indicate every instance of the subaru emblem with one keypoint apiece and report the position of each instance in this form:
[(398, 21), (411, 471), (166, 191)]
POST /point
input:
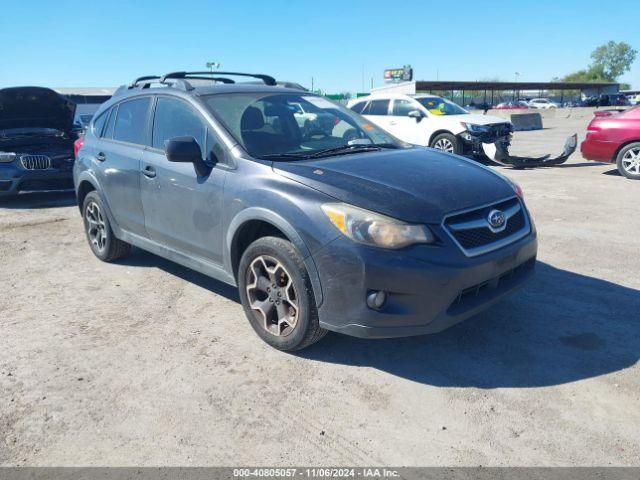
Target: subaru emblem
[(496, 218)]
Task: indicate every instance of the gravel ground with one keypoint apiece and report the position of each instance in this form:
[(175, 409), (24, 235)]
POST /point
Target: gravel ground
[(147, 363)]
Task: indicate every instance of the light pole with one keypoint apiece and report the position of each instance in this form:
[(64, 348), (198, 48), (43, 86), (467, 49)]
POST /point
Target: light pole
[(212, 65)]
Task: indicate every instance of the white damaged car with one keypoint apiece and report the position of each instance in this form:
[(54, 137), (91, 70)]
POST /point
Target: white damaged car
[(432, 121)]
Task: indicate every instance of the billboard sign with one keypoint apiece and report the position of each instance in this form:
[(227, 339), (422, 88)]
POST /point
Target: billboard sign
[(404, 74)]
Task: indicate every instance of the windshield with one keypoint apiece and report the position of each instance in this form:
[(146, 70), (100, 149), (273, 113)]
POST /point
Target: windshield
[(440, 106), (291, 125)]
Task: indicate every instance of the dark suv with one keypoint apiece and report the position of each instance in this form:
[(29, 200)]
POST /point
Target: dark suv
[(346, 229), (36, 140)]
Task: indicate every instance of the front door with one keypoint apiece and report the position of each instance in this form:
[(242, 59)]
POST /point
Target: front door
[(183, 211), (407, 128)]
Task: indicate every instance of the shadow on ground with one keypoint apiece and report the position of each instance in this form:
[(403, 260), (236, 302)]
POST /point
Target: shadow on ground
[(141, 258), (561, 328), (28, 201)]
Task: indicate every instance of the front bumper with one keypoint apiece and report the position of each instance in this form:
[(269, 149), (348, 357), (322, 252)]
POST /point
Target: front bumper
[(424, 295), (15, 179)]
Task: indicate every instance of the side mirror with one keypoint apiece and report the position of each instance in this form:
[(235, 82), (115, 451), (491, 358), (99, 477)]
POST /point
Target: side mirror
[(417, 114), (186, 150)]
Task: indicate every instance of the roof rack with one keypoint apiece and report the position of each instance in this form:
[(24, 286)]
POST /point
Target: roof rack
[(179, 79), (266, 79)]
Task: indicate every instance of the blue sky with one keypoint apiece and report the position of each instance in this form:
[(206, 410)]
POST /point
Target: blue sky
[(76, 44)]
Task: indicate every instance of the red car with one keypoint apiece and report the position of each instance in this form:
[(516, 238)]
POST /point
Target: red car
[(615, 137)]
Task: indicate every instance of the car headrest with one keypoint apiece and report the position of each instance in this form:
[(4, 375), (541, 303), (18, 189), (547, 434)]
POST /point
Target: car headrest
[(252, 119)]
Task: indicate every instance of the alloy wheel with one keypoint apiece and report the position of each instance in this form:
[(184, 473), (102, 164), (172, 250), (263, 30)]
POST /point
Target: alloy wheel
[(631, 161), (96, 228), (444, 144), (272, 296)]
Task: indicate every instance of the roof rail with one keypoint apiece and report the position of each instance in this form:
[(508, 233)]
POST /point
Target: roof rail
[(142, 79), (266, 79)]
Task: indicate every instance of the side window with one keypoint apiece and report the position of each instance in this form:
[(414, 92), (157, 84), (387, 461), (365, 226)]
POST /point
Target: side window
[(378, 107), (358, 107), (98, 123), (108, 132), (131, 121), (401, 108), (175, 118)]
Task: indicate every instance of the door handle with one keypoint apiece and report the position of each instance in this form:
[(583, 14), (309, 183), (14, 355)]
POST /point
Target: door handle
[(393, 123), (149, 171), (101, 157)]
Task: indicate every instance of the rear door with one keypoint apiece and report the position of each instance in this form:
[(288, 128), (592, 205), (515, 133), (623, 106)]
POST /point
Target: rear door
[(377, 112), (117, 157), (182, 210)]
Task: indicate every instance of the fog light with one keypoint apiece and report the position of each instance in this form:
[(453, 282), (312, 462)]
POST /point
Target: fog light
[(376, 299)]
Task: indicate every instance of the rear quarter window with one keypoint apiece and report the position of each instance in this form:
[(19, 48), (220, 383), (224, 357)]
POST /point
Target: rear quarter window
[(358, 107), (98, 123)]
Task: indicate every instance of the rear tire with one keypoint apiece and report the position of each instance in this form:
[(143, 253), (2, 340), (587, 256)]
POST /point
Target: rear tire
[(102, 241), (628, 161), (447, 142), (277, 296)]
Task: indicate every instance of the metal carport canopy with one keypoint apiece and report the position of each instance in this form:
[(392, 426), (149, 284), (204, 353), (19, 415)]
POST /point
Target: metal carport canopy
[(423, 85)]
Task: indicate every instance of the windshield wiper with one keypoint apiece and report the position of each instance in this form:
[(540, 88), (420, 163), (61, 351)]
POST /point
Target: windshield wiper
[(342, 149), (346, 149), (285, 156)]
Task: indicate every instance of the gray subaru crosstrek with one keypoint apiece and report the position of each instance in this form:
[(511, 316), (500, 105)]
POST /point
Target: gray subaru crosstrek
[(344, 228)]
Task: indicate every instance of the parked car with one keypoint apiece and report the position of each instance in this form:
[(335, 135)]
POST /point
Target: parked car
[(519, 105), (615, 137), (313, 123), (542, 103), (432, 121), (370, 237), (36, 140)]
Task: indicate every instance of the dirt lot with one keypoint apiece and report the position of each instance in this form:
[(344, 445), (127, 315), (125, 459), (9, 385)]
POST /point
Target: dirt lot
[(147, 363)]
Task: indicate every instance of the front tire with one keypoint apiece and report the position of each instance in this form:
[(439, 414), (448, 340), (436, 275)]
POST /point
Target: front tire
[(447, 142), (102, 241), (277, 296), (628, 161)]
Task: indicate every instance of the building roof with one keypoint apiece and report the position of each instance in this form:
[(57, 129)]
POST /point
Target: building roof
[(86, 91)]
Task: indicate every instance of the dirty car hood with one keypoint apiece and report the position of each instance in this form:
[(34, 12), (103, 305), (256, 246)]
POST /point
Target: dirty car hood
[(415, 185), (35, 107)]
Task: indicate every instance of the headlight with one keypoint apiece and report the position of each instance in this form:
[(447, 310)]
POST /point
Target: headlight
[(373, 229), (7, 157), (475, 128)]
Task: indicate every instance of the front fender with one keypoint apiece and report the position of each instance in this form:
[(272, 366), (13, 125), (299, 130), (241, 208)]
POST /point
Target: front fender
[(263, 214)]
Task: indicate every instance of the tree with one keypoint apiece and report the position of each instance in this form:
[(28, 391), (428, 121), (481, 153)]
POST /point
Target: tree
[(609, 62), (614, 59)]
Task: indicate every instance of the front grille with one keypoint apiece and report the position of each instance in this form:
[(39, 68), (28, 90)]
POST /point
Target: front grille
[(472, 232), (35, 162), (478, 237)]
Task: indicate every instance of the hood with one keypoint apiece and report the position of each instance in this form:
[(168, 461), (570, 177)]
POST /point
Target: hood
[(417, 185), (35, 107)]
